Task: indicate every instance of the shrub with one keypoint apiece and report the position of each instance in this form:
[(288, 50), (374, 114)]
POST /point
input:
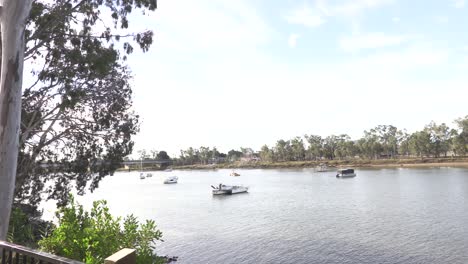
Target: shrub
[(93, 236), (26, 227)]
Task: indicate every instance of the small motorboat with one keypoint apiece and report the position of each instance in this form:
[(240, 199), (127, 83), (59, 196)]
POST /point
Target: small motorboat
[(142, 176), (322, 167), (228, 189), (346, 173), (149, 174), (234, 174), (172, 179)]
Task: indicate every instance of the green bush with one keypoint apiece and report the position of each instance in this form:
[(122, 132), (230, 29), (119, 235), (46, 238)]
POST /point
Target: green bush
[(26, 227), (93, 236), (19, 230)]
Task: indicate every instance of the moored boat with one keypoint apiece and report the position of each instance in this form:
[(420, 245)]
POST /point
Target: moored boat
[(228, 189), (234, 174), (322, 167), (142, 176), (172, 179), (346, 173)]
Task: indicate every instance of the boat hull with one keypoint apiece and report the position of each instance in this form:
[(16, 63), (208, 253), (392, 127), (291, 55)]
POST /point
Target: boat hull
[(235, 190), (350, 175), (170, 182), (218, 192)]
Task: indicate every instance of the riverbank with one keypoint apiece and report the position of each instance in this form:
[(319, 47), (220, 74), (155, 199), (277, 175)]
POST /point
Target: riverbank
[(355, 163)]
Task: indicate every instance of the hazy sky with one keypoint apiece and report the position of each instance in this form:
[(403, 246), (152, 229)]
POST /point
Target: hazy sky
[(249, 72)]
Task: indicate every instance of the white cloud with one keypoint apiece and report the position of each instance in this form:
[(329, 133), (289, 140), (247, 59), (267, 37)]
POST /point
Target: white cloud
[(304, 16), (370, 41), (315, 16), (459, 3), (414, 57), (442, 19), (355, 7), (292, 40), (187, 25)]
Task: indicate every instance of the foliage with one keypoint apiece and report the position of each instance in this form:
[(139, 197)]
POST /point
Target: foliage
[(202, 155), (461, 136), (77, 121), (92, 236), (26, 227), (266, 154), (315, 148), (234, 155), (380, 142)]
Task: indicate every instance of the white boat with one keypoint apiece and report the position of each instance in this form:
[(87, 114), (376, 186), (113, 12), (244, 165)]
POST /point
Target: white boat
[(346, 173), (322, 167), (142, 174), (234, 174), (172, 179), (228, 189)]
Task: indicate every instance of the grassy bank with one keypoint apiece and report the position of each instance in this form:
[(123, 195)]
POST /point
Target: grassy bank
[(356, 163)]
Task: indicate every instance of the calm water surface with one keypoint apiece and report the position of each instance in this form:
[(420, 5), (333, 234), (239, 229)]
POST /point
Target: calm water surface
[(298, 216)]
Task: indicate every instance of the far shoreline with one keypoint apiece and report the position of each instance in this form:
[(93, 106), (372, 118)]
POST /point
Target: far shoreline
[(387, 163)]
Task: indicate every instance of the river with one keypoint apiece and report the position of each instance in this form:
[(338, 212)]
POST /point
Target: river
[(301, 216)]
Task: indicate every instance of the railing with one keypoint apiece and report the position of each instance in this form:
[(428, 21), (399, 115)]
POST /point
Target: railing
[(124, 256), (16, 254)]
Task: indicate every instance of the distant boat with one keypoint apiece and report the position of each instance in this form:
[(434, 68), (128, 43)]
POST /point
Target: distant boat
[(234, 174), (172, 179), (346, 173), (149, 174), (322, 167), (228, 189), (142, 174)]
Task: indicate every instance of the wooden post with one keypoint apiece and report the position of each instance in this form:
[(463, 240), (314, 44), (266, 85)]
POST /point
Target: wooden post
[(124, 256)]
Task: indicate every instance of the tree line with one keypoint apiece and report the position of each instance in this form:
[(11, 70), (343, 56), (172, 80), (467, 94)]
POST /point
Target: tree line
[(380, 142)]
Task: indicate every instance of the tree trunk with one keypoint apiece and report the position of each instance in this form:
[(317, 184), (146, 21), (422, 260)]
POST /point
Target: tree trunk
[(13, 15)]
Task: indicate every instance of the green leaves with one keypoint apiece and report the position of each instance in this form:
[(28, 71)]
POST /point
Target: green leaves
[(78, 115), (93, 236)]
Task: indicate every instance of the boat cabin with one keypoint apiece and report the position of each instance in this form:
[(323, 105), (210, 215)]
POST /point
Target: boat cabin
[(346, 171)]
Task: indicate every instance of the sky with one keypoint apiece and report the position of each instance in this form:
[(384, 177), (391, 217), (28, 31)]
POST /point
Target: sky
[(245, 73)]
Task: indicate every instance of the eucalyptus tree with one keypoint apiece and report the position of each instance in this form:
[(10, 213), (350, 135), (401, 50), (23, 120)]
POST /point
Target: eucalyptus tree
[(234, 155), (440, 138), (153, 153), (403, 143), (76, 115), (204, 153), (143, 154), (13, 18), (315, 146), (266, 154), (190, 156), (387, 138), (283, 150), (297, 149), (461, 139), (370, 145), (420, 143), (330, 145)]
